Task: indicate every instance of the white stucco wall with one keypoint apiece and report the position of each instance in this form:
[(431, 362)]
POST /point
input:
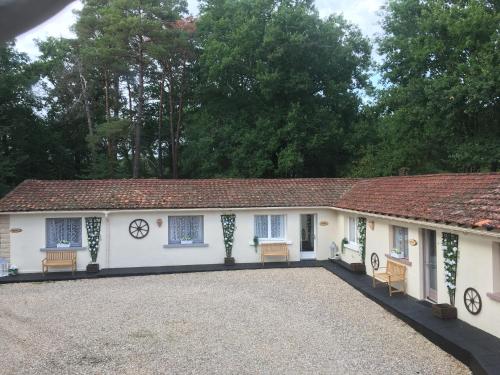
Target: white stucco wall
[(475, 266), (26, 245), (122, 250)]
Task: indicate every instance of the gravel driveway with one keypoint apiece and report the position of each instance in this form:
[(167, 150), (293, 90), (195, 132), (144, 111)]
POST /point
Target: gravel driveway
[(260, 321)]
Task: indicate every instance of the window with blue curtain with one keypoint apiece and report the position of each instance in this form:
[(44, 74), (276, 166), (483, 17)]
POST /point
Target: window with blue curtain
[(64, 229), (185, 227)]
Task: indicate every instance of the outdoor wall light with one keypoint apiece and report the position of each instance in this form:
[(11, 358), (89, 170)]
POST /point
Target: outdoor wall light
[(159, 222), (371, 224)]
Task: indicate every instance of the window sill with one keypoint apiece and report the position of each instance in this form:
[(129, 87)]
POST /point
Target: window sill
[(399, 260), (494, 296), (351, 247), (251, 243), (71, 248), (189, 245)]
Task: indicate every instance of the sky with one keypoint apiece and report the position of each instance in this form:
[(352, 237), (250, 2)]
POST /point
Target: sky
[(364, 13)]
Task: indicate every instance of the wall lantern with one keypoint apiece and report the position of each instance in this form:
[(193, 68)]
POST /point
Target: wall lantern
[(371, 224), (413, 242), (159, 222)]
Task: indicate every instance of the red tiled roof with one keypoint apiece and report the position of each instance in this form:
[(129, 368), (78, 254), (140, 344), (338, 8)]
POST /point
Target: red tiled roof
[(37, 195), (458, 199)]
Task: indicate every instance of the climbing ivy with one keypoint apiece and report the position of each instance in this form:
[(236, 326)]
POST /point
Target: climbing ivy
[(228, 227), (450, 253), (93, 225), (362, 237)]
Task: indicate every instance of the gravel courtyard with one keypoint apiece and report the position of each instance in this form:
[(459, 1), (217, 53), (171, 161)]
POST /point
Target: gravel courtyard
[(261, 321)]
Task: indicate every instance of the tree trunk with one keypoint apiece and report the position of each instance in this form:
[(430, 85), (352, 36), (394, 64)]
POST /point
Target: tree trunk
[(173, 142), (160, 122), (140, 114), (83, 83)]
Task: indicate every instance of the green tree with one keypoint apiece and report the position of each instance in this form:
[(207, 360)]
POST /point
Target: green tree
[(440, 108), (278, 90), (24, 140)]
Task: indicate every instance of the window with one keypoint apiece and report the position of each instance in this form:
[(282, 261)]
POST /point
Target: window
[(400, 239), (185, 228), (64, 229), (270, 227), (352, 231)]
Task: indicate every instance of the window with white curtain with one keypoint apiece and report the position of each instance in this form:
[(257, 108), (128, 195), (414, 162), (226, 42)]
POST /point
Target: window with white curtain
[(63, 229), (400, 239), (352, 230), (185, 228), (270, 227)]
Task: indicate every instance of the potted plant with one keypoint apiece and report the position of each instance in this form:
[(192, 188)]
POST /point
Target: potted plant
[(396, 253), (444, 311), (228, 227), (13, 270), (93, 225), (345, 241), (256, 242), (62, 244), (186, 240)]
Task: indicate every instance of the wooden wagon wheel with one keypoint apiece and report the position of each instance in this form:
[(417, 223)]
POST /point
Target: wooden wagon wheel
[(375, 261), (138, 228), (472, 301)]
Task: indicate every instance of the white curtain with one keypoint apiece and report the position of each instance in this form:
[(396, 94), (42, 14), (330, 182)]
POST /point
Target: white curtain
[(401, 240), (64, 229), (261, 226), (277, 226), (180, 227)]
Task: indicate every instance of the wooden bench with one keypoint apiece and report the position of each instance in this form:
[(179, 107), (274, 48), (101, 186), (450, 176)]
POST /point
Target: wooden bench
[(274, 250), (55, 258), (394, 273)]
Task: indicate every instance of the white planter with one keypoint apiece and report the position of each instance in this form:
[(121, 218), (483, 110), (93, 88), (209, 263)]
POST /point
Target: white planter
[(397, 255), (62, 245), (186, 242)]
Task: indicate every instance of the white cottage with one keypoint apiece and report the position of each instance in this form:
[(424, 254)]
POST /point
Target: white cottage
[(154, 222)]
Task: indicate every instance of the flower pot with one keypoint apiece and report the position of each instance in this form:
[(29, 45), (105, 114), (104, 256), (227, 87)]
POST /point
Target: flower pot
[(229, 261), (397, 255), (13, 272), (93, 267), (444, 311), (186, 242), (62, 245)]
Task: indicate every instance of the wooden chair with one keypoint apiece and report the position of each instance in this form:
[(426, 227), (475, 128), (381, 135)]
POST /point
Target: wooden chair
[(54, 258), (274, 250), (394, 273)]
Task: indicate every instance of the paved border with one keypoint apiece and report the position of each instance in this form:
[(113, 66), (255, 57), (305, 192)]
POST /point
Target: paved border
[(477, 349)]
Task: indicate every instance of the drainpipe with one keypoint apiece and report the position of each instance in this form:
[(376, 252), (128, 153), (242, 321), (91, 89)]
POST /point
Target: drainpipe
[(108, 239)]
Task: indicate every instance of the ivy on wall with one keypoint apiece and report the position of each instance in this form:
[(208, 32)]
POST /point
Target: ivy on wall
[(362, 237), (93, 225), (450, 253), (228, 227)]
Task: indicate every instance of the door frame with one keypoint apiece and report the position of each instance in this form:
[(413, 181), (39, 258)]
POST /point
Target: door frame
[(425, 272), (304, 255)]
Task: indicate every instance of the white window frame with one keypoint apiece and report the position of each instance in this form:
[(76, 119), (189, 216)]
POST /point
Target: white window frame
[(49, 221), (202, 228), (393, 240), (269, 237), (350, 244)]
